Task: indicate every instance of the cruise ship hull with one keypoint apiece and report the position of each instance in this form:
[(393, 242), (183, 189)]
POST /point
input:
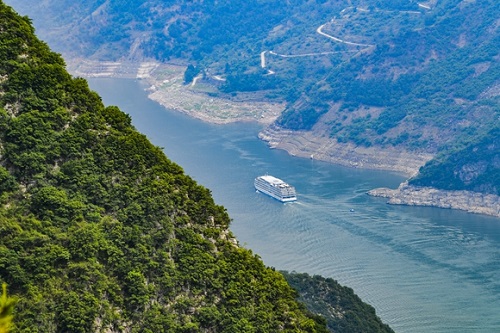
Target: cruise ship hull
[(275, 188)]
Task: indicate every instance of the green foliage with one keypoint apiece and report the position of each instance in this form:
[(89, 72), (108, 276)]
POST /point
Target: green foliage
[(76, 312), (7, 181), (6, 311), (249, 82), (115, 118), (99, 231), (136, 291), (190, 73), (474, 167), (303, 118), (50, 203), (397, 4)]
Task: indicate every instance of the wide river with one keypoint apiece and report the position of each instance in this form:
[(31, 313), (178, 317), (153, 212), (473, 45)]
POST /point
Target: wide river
[(423, 269)]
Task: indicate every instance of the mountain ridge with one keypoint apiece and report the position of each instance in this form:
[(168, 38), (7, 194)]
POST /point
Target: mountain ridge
[(420, 77), (100, 231)]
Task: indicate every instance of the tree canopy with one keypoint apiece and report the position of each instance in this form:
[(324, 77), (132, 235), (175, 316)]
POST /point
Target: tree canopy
[(100, 231)]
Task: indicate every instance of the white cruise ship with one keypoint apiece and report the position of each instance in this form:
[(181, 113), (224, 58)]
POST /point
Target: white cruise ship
[(275, 188)]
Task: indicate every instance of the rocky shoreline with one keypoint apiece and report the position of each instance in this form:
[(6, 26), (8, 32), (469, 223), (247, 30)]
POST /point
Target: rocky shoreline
[(472, 202), (306, 144), (165, 81)]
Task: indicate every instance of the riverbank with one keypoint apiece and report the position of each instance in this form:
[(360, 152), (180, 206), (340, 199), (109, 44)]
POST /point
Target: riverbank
[(307, 144), (200, 99), (165, 82), (472, 202)]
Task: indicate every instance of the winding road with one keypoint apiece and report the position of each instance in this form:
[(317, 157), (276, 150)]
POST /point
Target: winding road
[(306, 54), (320, 31)]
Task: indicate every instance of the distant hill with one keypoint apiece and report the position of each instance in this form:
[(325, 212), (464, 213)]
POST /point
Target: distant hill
[(339, 305), (100, 232), (423, 77)]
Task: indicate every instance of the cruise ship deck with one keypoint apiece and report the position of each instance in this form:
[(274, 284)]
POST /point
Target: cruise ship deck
[(276, 188)]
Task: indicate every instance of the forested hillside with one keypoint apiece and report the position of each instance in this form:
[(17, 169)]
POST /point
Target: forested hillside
[(99, 231), (339, 305), (423, 77), (473, 168)]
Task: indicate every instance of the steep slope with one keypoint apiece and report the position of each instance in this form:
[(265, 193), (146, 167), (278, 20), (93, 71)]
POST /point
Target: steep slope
[(100, 231), (416, 78), (473, 168)]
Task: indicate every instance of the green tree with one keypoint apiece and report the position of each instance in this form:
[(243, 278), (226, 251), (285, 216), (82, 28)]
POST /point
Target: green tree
[(6, 311)]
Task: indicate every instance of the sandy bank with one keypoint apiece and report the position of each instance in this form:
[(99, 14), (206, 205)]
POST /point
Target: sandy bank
[(200, 100)]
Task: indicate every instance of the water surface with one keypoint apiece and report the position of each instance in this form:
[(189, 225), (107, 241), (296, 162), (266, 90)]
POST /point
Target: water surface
[(423, 269)]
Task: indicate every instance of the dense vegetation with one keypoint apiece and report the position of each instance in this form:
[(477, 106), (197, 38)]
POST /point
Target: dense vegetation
[(475, 167), (343, 310), (423, 78), (100, 232), (6, 311)]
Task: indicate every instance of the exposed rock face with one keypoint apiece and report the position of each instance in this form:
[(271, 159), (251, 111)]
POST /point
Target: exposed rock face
[(309, 144), (472, 202)]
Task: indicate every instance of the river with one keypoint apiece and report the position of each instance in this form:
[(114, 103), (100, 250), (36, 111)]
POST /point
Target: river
[(423, 269)]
